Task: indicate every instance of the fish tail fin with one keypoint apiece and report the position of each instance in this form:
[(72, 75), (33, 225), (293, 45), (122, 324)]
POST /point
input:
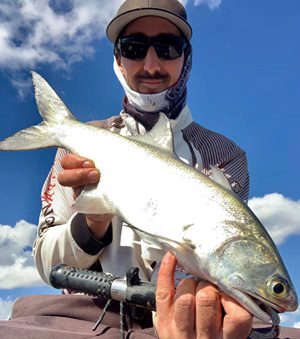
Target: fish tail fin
[(54, 113), (30, 138), (51, 107)]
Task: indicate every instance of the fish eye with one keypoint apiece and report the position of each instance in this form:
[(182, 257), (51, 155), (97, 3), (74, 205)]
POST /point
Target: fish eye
[(278, 287)]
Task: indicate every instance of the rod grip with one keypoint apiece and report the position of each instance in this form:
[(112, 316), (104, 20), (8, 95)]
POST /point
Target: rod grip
[(96, 284)]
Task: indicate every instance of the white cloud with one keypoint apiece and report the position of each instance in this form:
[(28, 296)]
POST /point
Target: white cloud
[(17, 267), (50, 31), (53, 32), (290, 319), (212, 4), (280, 215)]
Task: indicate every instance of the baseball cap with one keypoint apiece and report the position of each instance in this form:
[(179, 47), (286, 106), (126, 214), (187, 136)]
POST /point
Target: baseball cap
[(130, 10)]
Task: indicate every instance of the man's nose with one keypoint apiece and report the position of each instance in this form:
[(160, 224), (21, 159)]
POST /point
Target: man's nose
[(151, 61)]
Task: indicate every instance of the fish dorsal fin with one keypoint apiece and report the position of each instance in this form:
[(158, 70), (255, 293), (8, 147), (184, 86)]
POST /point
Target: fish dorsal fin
[(219, 177), (159, 136)]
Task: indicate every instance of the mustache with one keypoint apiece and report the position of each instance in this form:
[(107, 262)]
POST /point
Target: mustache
[(156, 76)]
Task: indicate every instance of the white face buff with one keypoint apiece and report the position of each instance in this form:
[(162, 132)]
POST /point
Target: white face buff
[(142, 102)]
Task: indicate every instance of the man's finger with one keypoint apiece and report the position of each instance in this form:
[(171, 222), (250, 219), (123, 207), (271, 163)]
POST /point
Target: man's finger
[(208, 311), (237, 321), (72, 161), (184, 307), (165, 289), (79, 177)]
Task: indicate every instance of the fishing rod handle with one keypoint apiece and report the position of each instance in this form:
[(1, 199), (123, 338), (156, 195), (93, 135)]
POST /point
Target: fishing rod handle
[(97, 284)]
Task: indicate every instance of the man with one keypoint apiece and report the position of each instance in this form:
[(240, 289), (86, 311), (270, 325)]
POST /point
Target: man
[(152, 61)]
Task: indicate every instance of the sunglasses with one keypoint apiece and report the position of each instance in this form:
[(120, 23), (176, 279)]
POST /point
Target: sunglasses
[(136, 46)]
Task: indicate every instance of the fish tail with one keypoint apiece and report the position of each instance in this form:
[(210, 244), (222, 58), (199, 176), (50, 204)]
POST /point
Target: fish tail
[(30, 138), (54, 113), (51, 107)]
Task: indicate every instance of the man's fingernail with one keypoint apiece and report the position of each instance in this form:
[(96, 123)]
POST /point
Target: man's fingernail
[(93, 176), (168, 257), (87, 164)]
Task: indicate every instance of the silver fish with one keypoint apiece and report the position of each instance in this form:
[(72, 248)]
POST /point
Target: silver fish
[(212, 233)]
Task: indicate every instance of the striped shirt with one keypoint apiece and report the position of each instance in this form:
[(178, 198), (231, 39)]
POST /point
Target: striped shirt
[(63, 236)]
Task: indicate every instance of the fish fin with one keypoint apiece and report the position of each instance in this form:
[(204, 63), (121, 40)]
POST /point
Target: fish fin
[(154, 246), (219, 177), (30, 138), (150, 251), (154, 239), (50, 106), (53, 111), (92, 201), (159, 136)]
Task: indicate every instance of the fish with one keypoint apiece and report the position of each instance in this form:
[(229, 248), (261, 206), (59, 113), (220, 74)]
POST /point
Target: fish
[(173, 207)]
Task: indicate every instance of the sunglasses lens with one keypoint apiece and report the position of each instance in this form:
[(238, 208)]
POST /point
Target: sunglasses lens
[(134, 47), (167, 46)]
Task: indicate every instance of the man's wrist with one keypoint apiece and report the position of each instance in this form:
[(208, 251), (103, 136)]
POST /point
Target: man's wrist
[(98, 224), (85, 239)]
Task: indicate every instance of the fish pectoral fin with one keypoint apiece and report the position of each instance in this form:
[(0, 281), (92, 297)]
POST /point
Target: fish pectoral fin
[(154, 246), (152, 252), (159, 136), (91, 201)]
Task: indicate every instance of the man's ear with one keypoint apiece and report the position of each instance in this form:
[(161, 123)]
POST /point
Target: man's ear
[(119, 62), (117, 55), (118, 58)]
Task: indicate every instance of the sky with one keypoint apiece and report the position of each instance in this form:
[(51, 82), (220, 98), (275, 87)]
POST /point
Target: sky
[(244, 84)]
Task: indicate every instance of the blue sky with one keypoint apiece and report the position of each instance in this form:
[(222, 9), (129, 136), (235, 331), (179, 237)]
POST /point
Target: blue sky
[(245, 84)]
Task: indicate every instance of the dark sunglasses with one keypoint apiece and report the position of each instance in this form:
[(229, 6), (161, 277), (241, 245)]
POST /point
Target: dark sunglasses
[(136, 46)]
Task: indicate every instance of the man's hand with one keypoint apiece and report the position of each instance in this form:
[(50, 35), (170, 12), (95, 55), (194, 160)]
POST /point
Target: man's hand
[(77, 173), (196, 310)]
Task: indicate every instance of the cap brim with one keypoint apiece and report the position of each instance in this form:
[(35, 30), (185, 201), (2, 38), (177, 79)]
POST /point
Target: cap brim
[(118, 23)]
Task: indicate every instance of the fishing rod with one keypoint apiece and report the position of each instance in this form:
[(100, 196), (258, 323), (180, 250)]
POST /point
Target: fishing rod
[(131, 290)]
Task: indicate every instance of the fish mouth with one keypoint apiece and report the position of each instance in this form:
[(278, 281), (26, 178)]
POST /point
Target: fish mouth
[(271, 309), (257, 305), (268, 307), (261, 301)]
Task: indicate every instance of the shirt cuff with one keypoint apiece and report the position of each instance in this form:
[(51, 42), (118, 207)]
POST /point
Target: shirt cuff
[(83, 237)]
